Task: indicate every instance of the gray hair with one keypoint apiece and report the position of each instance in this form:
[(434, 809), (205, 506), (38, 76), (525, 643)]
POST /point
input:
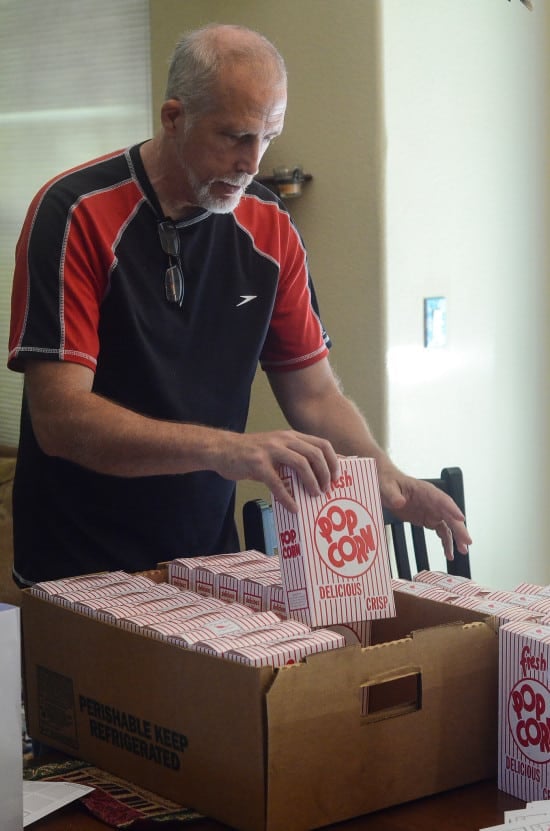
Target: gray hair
[(200, 57)]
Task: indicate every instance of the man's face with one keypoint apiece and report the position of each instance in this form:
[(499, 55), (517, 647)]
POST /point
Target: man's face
[(220, 151)]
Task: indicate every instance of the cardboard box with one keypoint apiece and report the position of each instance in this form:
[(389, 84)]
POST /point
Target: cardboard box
[(342, 734), (524, 711), (335, 565)]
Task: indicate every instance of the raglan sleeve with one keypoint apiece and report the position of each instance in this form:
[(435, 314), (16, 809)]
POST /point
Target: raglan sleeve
[(296, 337), (57, 285)]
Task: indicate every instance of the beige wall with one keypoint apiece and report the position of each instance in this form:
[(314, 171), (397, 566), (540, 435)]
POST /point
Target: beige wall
[(467, 216), (333, 129)]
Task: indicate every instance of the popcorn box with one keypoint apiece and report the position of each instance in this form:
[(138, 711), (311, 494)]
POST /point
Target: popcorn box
[(188, 633), (49, 588), (254, 591), (182, 570), (276, 631), (275, 599), (334, 558), (524, 710), (289, 651)]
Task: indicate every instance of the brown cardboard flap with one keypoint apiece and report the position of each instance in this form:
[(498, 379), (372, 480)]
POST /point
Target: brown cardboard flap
[(319, 741)]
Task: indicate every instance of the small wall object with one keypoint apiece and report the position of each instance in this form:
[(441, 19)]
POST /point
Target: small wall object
[(286, 182)]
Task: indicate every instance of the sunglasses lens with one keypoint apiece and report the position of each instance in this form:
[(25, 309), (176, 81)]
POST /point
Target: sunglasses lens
[(169, 239), (173, 285)]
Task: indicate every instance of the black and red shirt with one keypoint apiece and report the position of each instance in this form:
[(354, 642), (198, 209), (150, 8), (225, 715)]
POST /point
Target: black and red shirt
[(89, 288)]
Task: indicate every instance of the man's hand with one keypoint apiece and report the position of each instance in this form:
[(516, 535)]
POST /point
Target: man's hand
[(421, 503), (258, 456)]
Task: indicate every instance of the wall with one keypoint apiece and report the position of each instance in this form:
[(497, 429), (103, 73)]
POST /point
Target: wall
[(467, 214), (333, 129)]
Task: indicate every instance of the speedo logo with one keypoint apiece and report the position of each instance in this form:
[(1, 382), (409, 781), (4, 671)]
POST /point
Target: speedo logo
[(346, 537), (246, 298)]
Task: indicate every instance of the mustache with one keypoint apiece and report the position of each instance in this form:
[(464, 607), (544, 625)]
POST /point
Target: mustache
[(237, 181)]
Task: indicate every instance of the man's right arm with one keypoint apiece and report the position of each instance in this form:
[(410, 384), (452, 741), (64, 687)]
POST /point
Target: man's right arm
[(71, 421)]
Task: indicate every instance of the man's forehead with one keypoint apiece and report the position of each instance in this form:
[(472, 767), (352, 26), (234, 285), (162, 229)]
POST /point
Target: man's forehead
[(241, 108)]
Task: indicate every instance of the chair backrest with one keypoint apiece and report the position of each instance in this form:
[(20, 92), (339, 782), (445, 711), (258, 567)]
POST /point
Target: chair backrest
[(451, 482), (259, 530)]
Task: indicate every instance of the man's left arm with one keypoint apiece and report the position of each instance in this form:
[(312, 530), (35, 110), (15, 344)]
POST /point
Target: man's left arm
[(313, 402)]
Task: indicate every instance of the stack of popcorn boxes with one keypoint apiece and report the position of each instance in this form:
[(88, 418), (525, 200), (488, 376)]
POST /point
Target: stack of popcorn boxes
[(241, 628)]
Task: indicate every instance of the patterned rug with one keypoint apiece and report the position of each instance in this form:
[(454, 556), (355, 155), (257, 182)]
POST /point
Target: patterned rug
[(114, 801)]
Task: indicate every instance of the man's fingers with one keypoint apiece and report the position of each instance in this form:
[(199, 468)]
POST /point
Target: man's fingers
[(445, 535), (314, 460)]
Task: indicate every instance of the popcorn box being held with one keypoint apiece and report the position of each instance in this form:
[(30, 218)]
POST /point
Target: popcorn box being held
[(334, 558), (524, 710)]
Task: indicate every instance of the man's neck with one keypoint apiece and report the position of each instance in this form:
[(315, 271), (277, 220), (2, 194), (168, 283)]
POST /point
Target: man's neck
[(153, 156)]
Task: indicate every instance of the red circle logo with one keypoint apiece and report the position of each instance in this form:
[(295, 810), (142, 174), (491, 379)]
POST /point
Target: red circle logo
[(528, 719), (345, 537)]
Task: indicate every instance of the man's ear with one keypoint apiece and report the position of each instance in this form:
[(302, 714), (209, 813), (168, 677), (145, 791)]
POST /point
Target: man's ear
[(171, 110)]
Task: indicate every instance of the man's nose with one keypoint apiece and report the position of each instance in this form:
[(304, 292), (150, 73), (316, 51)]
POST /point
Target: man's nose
[(250, 157)]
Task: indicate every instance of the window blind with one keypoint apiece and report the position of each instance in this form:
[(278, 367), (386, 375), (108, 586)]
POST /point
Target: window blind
[(74, 83)]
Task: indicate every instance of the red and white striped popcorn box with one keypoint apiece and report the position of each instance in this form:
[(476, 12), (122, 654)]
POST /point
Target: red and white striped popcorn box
[(287, 652), (207, 576), (164, 604), (48, 588), (138, 619), (230, 610), (94, 605), (502, 612), (514, 598), (132, 592), (203, 581), (253, 591), (334, 558), (111, 612), (532, 588), (221, 627), (430, 590), (276, 599), (451, 582), (269, 565), (472, 589), (227, 583), (541, 603), (71, 599), (524, 711), (265, 634), (181, 570), (139, 623), (213, 621), (427, 576)]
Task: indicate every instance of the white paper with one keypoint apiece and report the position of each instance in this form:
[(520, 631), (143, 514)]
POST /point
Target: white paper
[(527, 815), (43, 798), (11, 757)]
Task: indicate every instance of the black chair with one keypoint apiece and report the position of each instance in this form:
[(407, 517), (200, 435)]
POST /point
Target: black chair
[(259, 531), (451, 483)]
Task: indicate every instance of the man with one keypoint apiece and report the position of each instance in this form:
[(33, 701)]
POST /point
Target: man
[(148, 285)]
